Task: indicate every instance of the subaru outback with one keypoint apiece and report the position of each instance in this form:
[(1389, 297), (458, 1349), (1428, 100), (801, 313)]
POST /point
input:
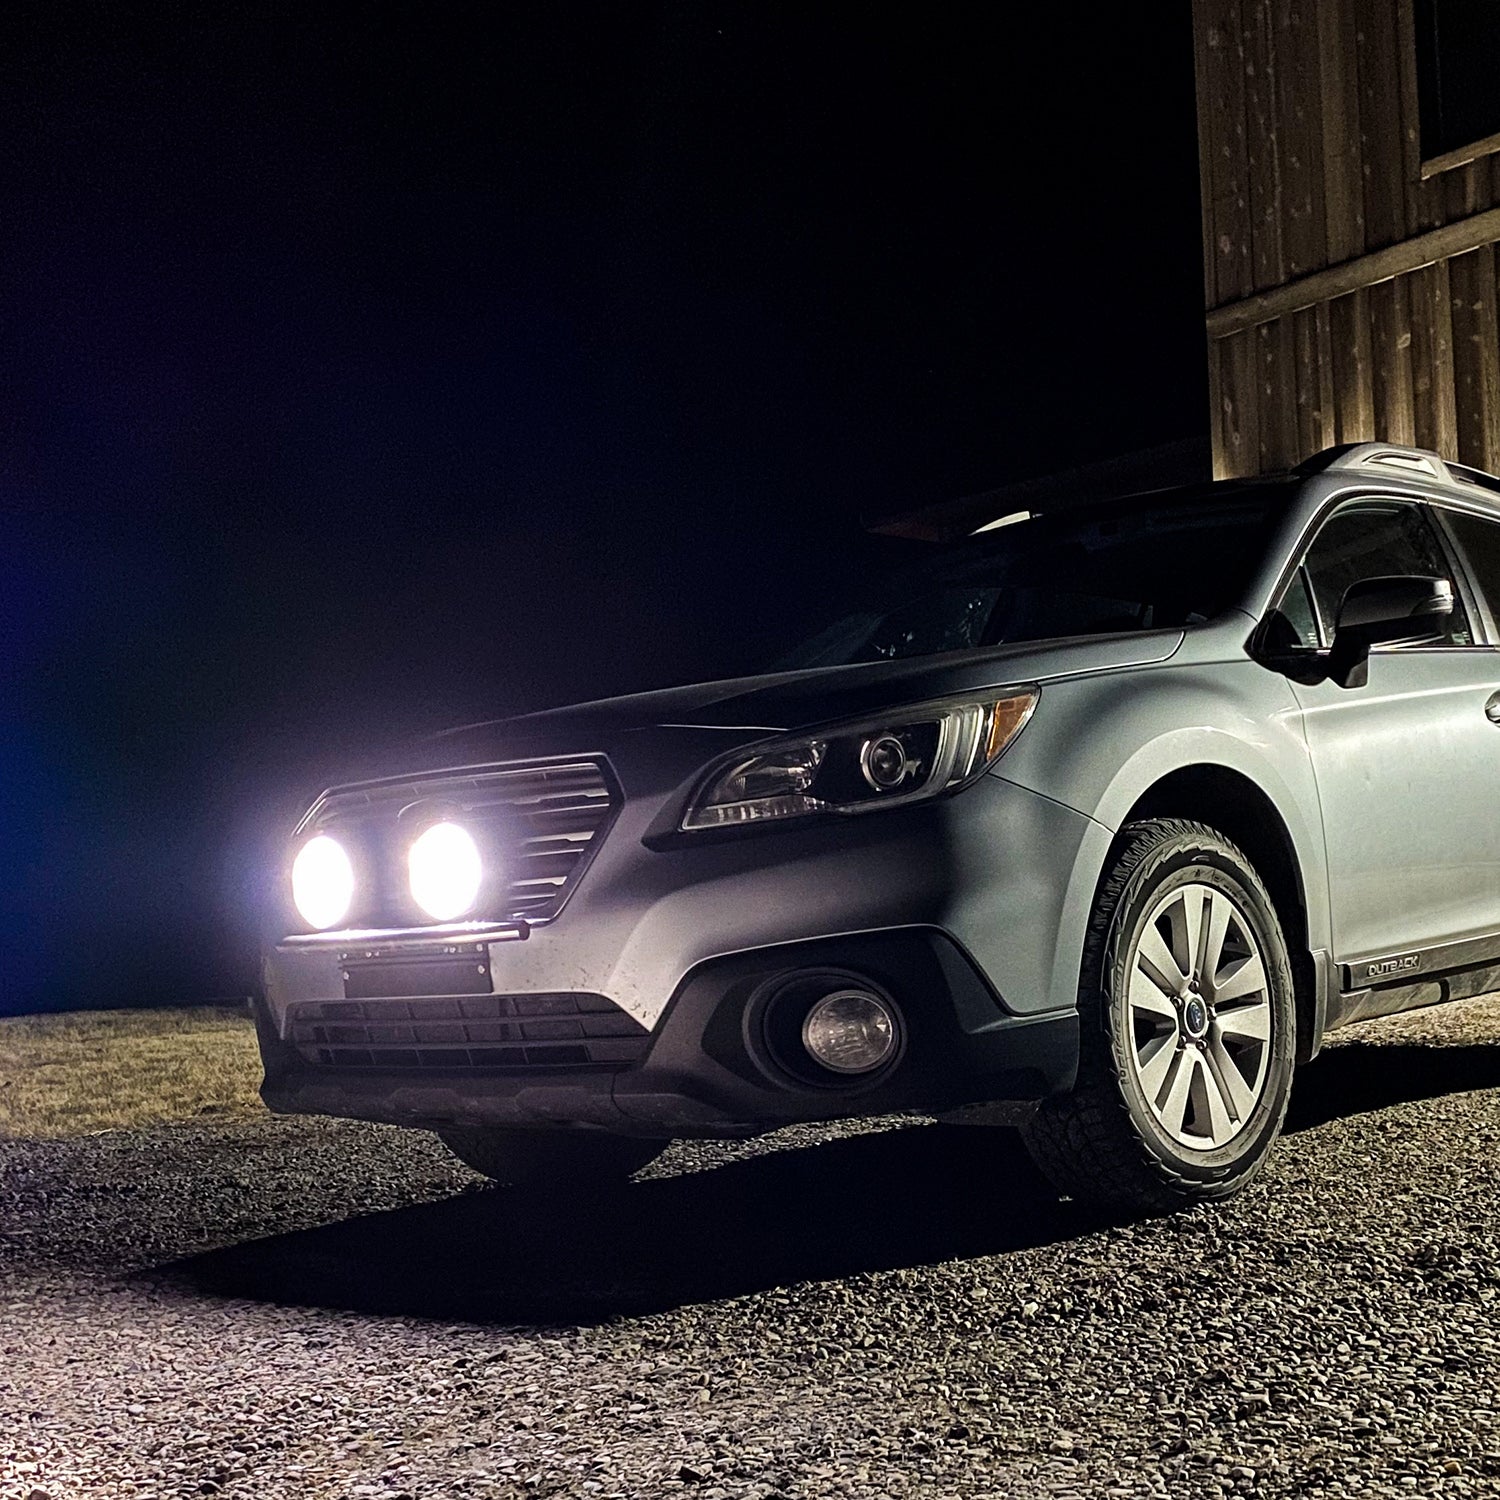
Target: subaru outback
[(1094, 823)]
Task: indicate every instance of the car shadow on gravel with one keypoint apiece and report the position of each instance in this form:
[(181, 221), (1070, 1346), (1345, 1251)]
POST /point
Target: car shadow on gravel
[(877, 1201), (1355, 1078), (886, 1199)]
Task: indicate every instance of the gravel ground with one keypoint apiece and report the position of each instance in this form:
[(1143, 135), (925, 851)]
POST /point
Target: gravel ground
[(290, 1308)]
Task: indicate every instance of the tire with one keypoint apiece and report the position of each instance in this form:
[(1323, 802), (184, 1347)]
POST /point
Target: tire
[(1147, 1129), (564, 1160)]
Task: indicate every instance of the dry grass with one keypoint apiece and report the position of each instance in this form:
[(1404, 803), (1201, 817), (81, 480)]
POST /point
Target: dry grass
[(88, 1071)]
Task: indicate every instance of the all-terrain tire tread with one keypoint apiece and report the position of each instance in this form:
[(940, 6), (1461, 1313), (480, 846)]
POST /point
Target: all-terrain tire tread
[(1086, 1142)]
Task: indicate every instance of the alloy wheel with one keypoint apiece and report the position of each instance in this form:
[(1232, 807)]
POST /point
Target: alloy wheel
[(1200, 1016)]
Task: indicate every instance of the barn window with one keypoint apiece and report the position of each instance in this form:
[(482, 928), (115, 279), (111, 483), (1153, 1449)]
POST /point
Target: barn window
[(1458, 61)]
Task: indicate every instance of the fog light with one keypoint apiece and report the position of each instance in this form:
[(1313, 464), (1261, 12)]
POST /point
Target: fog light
[(850, 1031), (446, 871), (322, 882)]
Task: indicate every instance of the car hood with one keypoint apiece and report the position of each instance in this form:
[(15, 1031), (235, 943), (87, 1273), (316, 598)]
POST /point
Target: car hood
[(784, 701)]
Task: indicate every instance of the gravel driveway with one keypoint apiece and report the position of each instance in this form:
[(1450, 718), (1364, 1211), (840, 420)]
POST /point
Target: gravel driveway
[(297, 1308)]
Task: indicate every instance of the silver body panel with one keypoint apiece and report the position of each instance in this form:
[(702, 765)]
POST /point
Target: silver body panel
[(1408, 773)]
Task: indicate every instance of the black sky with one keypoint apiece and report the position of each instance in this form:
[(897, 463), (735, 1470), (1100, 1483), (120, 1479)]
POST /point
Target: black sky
[(368, 371)]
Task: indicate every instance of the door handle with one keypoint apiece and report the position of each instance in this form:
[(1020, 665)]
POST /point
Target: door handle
[(1492, 708)]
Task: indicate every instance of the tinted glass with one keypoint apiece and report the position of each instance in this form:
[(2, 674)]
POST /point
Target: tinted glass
[(1293, 626), (1480, 540), (1150, 563), (1377, 542)]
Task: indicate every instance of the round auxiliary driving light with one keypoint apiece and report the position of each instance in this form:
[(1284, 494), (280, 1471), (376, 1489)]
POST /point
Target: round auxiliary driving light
[(850, 1031), (883, 762), (445, 870), (322, 882)]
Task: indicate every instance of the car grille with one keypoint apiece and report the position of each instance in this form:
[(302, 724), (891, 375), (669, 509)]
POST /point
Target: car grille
[(540, 820), (497, 1033)]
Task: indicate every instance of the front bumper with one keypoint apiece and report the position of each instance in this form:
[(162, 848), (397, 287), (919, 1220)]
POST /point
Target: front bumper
[(968, 911), (706, 1071)]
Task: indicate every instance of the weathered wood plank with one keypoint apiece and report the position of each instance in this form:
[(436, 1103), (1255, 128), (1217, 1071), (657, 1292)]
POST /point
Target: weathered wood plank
[(1435, 417), (1263, 146), (1423, 207), (1298, 89), (1390, 354), (1310, 437), (1204, 21), (1353, 384), (1216, 413), (1277, 396), (1475, 151), (1222, 103), (1380, 123), (1343, 194), (1476, 357), (1350, 297), (1238, 393), (1365, 271), (1424, 199), (1327, 398), (1466, 190)]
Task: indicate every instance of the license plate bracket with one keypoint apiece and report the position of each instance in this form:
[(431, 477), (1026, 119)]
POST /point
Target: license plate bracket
[(374, 975)]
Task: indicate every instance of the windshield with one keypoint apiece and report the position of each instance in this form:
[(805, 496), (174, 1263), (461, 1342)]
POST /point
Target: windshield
[(1154, 562)]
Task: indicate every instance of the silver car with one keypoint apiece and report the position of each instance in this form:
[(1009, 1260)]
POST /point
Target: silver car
[(1095, 823)]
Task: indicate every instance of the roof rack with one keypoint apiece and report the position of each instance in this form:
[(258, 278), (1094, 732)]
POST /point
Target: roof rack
[(1475, 477), (1349, 456)]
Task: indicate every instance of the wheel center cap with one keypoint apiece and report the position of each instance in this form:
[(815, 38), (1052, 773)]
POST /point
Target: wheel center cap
[(1195, 1017)]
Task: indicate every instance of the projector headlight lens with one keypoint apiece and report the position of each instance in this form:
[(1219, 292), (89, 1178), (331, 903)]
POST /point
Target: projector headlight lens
[(446, 871), (322, 882)]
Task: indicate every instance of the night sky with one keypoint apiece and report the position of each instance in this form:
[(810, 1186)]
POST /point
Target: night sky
[(365, 373)]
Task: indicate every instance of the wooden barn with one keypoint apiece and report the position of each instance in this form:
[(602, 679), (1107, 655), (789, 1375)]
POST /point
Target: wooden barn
[(1350, 155)]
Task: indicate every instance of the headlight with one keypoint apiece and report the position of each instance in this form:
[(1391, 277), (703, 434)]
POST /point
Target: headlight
[(445, 871), (900, 758), (322, 882)]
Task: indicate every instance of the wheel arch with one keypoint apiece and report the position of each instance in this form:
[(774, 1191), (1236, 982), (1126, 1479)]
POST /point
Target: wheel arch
[(1216, 742), (1235, 805)]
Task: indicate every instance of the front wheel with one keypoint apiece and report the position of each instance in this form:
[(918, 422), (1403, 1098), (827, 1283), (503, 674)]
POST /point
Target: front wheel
[(1189, 1031), (564, 1160)]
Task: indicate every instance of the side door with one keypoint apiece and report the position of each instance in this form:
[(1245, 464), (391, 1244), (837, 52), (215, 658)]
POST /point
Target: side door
[(1407, 766)]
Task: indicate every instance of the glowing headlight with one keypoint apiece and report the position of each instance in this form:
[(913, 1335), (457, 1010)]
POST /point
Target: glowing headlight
[(445, 871), (322, 882), (901, 757)]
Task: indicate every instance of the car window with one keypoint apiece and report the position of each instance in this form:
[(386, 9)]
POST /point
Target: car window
[(1148, 562), (944, 620), (1376, 541), (1480, 540), (1293, 624)]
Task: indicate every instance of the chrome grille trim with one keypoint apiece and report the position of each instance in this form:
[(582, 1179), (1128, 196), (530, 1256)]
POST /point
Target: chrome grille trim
[(393, 938)]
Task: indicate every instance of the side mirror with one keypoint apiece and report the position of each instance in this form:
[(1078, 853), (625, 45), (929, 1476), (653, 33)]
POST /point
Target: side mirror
[(1405, 610)]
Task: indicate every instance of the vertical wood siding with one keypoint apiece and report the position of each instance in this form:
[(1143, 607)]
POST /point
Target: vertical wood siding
[(1309, 144)]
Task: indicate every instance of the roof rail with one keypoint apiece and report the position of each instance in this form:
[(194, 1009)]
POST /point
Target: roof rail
[(1476, 477), (1357, 456)]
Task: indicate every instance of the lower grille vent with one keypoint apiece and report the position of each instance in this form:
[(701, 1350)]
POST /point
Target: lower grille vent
[(497, 1033)]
